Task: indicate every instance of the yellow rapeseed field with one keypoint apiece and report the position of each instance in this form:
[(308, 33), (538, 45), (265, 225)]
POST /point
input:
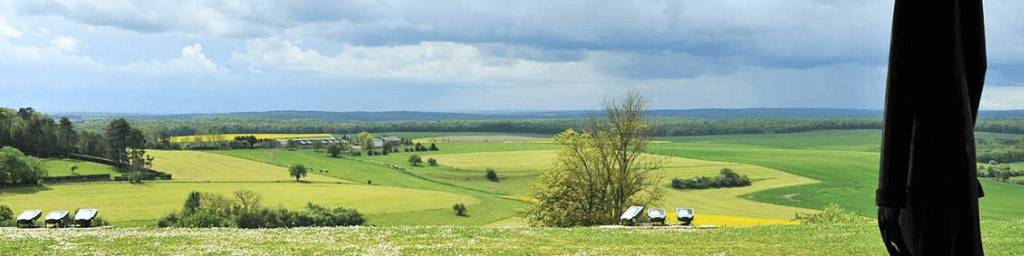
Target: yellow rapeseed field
[(231, 136)]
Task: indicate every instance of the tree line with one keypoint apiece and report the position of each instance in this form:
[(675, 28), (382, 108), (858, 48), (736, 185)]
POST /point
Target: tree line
[(662, 126), (39, 135)]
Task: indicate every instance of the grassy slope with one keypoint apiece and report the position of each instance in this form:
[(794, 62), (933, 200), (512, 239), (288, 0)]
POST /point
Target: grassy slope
[(849, 177), (1001, 238), (145, 203), (487, 209), (205, 166), (62, 167)]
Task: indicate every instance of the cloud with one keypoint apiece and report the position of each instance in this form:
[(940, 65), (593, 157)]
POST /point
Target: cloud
[(65, 43), (191, 62), (8, 30), (1002, 98), (426, 61)]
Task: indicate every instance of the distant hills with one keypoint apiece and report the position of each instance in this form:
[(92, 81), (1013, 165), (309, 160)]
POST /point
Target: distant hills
[(431, 116)]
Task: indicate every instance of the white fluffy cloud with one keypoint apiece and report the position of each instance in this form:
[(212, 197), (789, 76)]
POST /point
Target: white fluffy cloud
[(65, 43), (8, 30), (191, 62)]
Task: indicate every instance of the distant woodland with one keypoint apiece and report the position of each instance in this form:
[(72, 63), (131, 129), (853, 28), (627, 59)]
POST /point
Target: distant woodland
[(42, 135)]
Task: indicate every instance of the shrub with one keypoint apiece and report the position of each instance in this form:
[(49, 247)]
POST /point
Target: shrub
[(415, 160), (433, 147), (206, 218), (460, 209), (492, 176), (832, 215), (6, 213), (432, 161), (171, 220)]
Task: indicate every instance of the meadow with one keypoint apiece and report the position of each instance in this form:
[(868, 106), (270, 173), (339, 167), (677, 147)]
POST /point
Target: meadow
[(1001, 237), (792, 173), (143, 204), (62, 167)]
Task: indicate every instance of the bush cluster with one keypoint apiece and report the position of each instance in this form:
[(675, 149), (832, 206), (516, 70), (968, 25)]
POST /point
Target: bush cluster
[(725, 179), (1002, 174), (6, 216), (491, 175), (203, 210), (832, 215), (460, 209)]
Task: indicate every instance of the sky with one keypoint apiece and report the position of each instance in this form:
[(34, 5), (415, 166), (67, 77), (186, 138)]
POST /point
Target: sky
[(216, 56)]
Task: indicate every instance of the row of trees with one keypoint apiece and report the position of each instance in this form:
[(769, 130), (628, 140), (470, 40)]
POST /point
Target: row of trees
[(726, 178), (39, 135), (244, 210), (664, 126)]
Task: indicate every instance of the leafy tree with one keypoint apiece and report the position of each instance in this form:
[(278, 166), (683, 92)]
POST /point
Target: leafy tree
[(334, 150), (365, 140), (460, 209), (73, 168), (248, 200), (120, 137), (415, 160), (66, 136), (599, 173), (432, 161), (191, 203), (16, 168), (433, 147), (297, 171), (92, 143), (290, 143)]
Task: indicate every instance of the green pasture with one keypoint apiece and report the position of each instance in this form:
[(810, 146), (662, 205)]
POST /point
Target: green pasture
[(360, 169), (147, 202), (204, 166), (467, 170), (1001, 237), (848, 178), (62, 167)]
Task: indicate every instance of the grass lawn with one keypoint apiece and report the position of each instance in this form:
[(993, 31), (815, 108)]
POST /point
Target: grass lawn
[(62, 167), (122, 203), (1001, 238), (205, 166)]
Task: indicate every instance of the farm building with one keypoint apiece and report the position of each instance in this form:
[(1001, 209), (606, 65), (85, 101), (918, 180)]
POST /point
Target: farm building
[(305, 143)]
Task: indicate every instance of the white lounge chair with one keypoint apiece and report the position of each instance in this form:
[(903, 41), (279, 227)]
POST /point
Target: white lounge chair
[(629, 217), (84, 217), (656, 215), (27, 219), (59, 219), (684, 215)]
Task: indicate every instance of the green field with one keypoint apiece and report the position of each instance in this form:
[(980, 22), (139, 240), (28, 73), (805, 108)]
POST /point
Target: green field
[(791, 172), (127, 204), (204, 166), (848, 177), (62, 167), (1000, 238)]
